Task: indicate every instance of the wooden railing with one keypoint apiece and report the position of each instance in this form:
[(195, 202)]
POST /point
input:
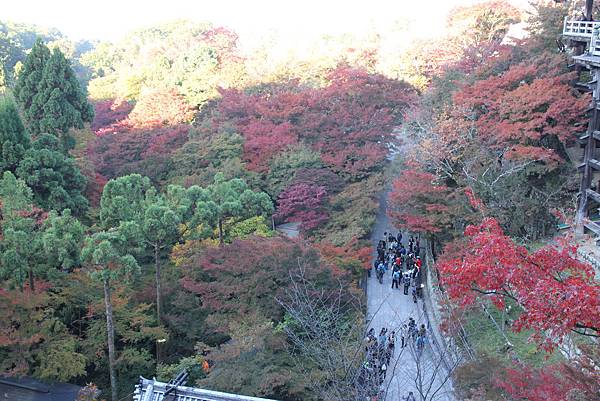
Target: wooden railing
[(152, 390), (582, 29), (594, 48), (587, 30)]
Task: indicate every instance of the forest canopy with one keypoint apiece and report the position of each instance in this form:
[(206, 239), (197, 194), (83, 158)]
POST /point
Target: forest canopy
[(142, 181)]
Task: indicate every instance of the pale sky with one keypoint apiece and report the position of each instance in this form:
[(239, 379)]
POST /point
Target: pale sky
[(111, 19)]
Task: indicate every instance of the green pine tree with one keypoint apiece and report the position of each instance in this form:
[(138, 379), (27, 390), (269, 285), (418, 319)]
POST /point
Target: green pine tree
[(105, 255), (14, 140), (50, 95), (227, 201), (56, 181), (20, 243)]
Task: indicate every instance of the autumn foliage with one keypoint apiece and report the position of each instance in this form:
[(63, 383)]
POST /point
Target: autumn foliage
[(160, 107), (246, 276), (303, 203), (418, 201), (520, 108), (122, 149), (108, 112), (557, 382), (348, 121), (556, 292)]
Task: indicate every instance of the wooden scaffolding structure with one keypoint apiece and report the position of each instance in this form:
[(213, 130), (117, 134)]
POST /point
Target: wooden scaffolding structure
[(583, 37)]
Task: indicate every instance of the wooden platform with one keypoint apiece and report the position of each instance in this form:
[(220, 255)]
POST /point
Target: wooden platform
[(588, 60)]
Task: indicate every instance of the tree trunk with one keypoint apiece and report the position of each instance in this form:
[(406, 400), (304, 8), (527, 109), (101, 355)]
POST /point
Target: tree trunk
[(31, 284), (110, 330), (220, 232), (157, 265)]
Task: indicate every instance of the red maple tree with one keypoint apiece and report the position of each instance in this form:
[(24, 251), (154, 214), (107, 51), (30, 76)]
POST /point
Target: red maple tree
[(108, 112), (521, 108), (550, 383), (349, 121), (303, 203), (418, 201), (556, 292)]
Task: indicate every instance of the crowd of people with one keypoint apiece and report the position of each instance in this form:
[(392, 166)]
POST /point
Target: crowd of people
[(380, 349), (405, 266)]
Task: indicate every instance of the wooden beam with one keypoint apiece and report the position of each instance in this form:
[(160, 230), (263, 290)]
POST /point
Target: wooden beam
[(593, 227), (582, 86), (595, 196), (595, 164)]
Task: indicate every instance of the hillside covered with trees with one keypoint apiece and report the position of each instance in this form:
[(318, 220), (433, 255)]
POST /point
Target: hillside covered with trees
[(141, 182)]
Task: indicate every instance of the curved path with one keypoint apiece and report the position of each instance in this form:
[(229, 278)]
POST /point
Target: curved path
[(425, 375)]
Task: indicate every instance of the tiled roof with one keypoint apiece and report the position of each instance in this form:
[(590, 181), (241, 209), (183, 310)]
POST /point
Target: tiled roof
[(152, 390), (30, 389)]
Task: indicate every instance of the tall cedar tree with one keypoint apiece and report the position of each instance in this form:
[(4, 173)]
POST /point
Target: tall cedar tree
[(50, 95), (54, 178), (14, 140)]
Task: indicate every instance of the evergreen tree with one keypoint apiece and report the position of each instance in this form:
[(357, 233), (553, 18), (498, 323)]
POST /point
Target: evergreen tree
[(50, 95), (107, 260), (15, 195), (19, 253), (131, 204), (30, 75), (19, 248), (14, 140), (61, 240), (228, 201), (159, 230), (56, 181), (124, 199)]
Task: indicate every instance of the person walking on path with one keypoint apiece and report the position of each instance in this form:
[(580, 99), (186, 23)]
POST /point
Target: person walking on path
[(406, 281), (422, 331), (412, 327), (391, 343), (409, 397), (382, 340), (383, 371), (396, 279), (418, 264), (403, 335), (421, 338)]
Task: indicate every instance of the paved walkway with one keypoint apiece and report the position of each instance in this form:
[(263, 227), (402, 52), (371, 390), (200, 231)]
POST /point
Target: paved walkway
[(390, 308)]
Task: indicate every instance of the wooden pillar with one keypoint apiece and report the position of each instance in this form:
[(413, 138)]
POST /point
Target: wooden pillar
[(589, 5), (590, 147)]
